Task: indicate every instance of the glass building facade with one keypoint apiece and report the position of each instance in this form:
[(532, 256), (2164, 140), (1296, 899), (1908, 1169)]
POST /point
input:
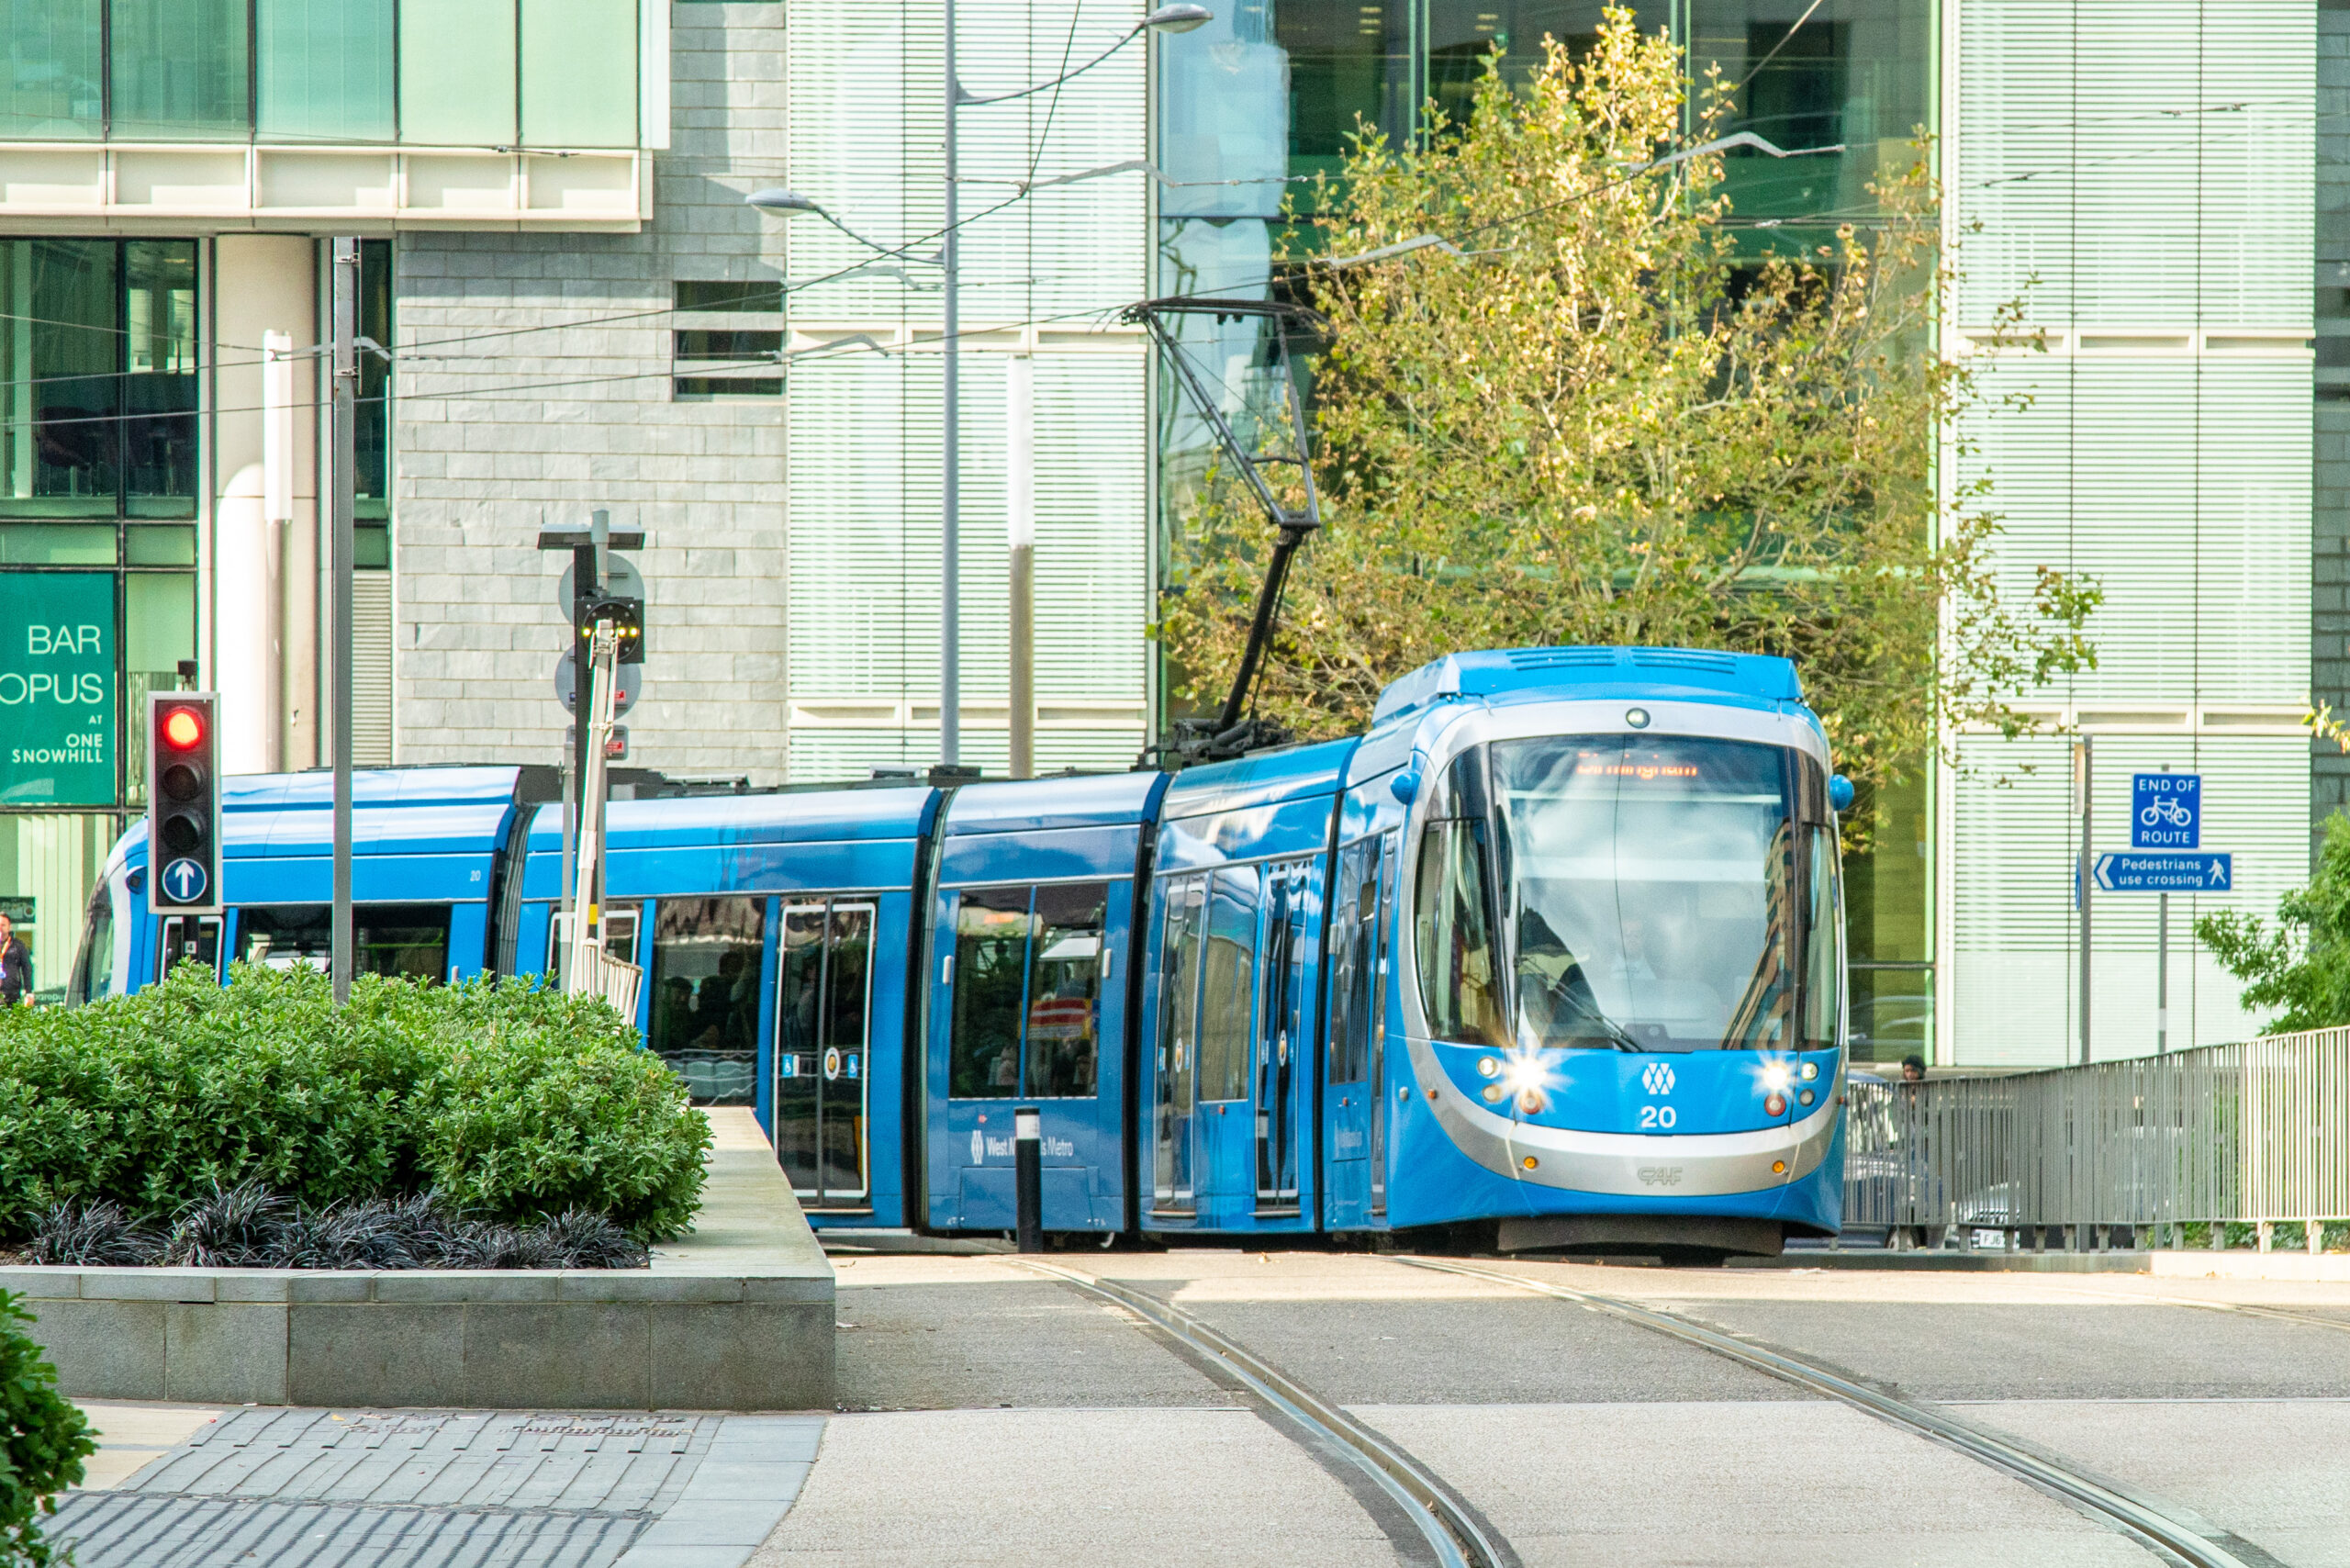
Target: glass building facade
[(1245, 125), (104, 470), (422, 73), (99, 483)]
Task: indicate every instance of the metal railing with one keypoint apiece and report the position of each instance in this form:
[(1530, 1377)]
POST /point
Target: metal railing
[(2255, 1133)]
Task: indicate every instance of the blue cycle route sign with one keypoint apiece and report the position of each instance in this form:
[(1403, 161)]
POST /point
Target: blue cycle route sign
[(2204, 872), (2165, 810)]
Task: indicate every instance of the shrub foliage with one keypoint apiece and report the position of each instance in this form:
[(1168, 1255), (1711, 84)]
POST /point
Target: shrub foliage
[(512, 1102), (43, 1441), (248, 1227)]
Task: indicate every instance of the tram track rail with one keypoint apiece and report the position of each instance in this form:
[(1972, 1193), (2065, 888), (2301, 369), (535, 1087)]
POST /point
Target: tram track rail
[(2161, 1532), (1452, 1533)]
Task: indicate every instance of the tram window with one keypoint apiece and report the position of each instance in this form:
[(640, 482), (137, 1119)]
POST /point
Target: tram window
[(1065, 990), (619, 934), (705, 1013), (406, 941), (1823, 982), (1454, 937), (1354, 911), (1227, 1008), (990, 973), (94, 964), (1178, 982)]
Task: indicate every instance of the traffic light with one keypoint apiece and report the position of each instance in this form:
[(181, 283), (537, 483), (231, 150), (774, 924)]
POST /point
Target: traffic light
[(627, 616), (184, 802)]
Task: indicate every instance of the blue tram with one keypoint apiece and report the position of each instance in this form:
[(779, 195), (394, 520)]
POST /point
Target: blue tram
[(1550, 957)]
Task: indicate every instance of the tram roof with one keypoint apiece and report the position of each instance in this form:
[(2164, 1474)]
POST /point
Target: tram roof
[(1527, 675), (394, 810), (791, 816), (1260, 779), (1071, 800)]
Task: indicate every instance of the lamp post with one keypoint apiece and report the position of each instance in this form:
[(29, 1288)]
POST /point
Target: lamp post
[(1177, 18)]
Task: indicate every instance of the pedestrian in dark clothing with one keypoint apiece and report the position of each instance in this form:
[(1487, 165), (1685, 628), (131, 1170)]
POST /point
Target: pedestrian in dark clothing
[(16, 967)]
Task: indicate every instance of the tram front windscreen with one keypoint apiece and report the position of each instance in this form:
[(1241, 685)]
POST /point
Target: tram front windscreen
[(1649, 891)]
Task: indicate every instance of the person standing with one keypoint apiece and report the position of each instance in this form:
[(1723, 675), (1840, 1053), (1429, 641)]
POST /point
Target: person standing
[(16, 967)]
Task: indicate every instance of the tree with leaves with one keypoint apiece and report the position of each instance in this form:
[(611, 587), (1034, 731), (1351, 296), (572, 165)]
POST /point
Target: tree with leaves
[(1593, 415), (2302, 963)]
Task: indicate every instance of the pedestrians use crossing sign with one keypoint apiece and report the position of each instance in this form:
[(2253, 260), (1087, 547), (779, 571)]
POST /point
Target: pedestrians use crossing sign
[(2205, 872)]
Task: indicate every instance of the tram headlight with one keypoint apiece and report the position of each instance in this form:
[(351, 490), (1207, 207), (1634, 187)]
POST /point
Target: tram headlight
[(1494, 1093), (1487, 1067), (1525, 1073), (1776, 1077)]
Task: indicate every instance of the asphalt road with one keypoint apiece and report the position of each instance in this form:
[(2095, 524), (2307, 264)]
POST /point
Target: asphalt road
[(1001, 1417)]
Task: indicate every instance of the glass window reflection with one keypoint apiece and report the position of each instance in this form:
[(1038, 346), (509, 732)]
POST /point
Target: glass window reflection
[(56, 64), (705, 1013), (59, 340), (181, 69)]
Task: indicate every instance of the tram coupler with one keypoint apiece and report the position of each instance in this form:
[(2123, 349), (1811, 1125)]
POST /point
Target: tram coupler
[(1028, 1175)]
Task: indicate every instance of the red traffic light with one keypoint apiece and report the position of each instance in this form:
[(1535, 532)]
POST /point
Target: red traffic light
[(183, 729)]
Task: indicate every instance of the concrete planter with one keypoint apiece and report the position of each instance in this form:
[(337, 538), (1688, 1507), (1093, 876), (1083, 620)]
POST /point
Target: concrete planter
[(736, 1317)]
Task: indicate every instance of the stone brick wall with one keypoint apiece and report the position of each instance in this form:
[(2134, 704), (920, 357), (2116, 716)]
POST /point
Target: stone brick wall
[(541, 391)]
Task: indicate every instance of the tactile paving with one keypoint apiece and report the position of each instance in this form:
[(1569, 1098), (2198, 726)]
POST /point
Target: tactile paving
[(392, 1489)]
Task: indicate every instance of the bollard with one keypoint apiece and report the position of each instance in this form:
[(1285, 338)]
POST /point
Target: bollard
[(1028, 1175)]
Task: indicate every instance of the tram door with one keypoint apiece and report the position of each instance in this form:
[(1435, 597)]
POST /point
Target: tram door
[(1280, 1036), (1353, 953), (1382, 942), (1182, 935), (822, 1015)]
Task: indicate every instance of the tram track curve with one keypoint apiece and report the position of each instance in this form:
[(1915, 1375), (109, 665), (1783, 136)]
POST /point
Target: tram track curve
[(2135, 1518), (1457, 1537)]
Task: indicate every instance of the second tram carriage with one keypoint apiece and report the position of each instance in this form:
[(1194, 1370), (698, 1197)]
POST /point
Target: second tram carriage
[(1550, 957)]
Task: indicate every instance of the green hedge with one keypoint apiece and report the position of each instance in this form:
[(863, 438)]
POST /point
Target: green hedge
[(43, 1441), (514, 1100)]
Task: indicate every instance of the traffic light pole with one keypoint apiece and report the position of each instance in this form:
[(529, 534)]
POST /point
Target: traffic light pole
[(598, 681), (345, 465)]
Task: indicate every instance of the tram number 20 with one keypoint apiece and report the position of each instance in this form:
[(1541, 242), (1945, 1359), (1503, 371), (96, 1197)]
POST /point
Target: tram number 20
[(1656, 1116)]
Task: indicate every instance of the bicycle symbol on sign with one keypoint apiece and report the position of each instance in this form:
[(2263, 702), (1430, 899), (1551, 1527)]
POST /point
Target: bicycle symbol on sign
[(2172, 812)]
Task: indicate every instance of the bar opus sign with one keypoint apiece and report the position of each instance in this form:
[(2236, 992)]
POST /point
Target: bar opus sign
[(57, 688)]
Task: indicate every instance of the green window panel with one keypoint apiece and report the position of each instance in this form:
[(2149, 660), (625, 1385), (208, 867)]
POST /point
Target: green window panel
[(53, 90), (160, 544), (181, 69), (456, 72), (579, 73), (325, 70), (57, 544), (375, 402)]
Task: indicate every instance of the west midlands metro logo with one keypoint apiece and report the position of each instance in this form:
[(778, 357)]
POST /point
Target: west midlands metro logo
[(1657, 1077)]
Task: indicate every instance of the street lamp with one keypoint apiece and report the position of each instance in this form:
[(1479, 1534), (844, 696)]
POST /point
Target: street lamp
[(1174, 18)]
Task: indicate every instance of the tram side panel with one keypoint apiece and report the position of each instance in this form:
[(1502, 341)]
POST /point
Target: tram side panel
[(1030, 964), (1231, 1009), (775, 974)]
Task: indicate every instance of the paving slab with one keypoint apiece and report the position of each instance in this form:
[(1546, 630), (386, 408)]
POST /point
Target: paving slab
[(2275, 1471), (1729, 1485), (1172, 1489)]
